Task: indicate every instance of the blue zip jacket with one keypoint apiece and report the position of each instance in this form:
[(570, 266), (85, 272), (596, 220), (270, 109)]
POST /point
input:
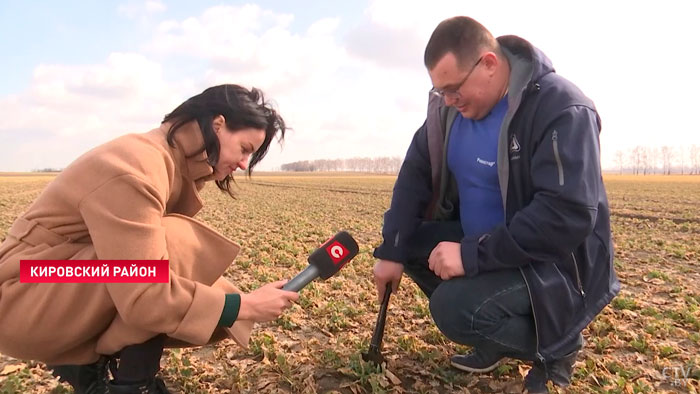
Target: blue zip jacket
[(557, 217)]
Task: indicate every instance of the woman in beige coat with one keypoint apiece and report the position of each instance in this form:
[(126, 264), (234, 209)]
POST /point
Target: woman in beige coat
[(133, 199)]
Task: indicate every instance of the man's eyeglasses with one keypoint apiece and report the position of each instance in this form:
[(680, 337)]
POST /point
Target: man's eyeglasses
[(454, 93)]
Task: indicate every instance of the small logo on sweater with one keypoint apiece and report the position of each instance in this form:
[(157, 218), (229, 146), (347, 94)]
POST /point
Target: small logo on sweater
[(484, 162)]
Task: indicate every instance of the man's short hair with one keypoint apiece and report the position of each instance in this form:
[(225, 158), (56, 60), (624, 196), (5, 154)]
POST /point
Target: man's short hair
[(461, 35)]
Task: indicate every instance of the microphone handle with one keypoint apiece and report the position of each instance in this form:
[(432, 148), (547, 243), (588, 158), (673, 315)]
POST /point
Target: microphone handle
[(302, 279)]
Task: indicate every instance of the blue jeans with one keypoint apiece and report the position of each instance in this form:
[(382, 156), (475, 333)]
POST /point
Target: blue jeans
[(490, 312)]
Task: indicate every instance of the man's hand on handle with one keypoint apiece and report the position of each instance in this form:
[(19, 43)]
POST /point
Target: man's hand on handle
[(387, 271)]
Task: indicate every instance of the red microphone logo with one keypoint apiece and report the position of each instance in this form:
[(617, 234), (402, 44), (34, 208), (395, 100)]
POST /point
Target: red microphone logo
[(336, 251)]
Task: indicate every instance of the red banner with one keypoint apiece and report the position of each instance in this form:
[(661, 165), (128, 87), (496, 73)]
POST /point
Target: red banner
[(94, 271)]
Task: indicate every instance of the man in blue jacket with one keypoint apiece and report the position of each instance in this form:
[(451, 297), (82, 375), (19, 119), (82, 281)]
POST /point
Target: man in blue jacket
[(499, 212)]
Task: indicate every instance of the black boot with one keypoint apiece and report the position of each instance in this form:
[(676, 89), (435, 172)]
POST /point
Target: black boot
[(85, 379), (136, 369), (558, 371), (153, 386)]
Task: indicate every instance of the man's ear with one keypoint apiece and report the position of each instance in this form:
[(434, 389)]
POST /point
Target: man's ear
[(218, 122), (490, 60)]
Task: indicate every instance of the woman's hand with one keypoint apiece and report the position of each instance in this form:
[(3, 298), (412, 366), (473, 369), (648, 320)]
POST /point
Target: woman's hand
[(267, 302)]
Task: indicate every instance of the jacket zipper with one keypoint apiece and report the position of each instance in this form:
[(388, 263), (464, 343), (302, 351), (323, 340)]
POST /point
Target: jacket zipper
[(578, 278), (539, 356), (555, 144)]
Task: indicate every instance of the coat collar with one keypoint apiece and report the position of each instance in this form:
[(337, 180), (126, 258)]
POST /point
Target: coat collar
[(191, 159), (190, 153)]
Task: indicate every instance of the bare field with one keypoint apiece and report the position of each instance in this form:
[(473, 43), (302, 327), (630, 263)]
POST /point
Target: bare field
[(647, 340)]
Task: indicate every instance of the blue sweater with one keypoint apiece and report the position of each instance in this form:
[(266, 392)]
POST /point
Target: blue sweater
[(471, 156)]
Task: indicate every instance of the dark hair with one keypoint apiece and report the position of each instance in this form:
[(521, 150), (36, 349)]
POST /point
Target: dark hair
[(461, 35), (242, 108)]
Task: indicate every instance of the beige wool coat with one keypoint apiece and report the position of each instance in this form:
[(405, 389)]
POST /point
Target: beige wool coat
[(131, 198)]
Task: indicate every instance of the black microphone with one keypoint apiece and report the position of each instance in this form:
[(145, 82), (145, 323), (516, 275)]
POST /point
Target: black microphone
[(325, 261)]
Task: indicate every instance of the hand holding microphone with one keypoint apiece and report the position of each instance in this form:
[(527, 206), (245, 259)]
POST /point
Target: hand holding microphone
[(269, 301), (325, 261), (266, 303)]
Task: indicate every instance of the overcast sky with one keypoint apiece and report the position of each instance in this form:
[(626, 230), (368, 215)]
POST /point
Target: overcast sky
[(347, 76)]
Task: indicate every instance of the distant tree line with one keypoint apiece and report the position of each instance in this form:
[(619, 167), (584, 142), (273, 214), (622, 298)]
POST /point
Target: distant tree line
[(47, 169), (644, 160), (382, 165)]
